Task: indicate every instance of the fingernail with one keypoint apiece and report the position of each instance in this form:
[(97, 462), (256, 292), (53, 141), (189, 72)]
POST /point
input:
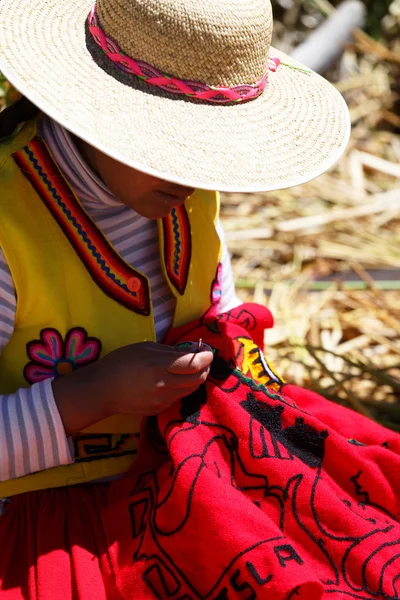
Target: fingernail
[(193, 347), (205, 347)]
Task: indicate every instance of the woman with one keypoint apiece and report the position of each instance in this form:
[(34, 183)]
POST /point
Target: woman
[(110, 239)]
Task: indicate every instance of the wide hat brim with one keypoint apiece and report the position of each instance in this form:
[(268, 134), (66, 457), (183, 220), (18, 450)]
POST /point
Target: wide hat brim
[(292, 133)]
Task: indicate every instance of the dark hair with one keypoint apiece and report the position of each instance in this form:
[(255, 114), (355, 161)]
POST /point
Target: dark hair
[(15, 114)]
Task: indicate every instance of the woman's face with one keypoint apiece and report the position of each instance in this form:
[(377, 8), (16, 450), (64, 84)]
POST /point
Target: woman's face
[(148, 196)]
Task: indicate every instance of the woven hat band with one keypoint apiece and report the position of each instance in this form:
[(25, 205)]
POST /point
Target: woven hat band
[(223, 43), (167, 82)]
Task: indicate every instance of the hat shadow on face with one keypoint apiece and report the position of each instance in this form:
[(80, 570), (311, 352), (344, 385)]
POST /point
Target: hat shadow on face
[(130, 80)]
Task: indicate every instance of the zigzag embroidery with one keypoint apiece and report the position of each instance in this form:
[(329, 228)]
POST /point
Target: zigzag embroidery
[(103, 263), (177, 247), (177, 252), (73, 220)]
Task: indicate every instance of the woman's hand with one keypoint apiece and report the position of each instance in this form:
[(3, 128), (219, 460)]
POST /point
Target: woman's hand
[(146, 378), (141, 379)]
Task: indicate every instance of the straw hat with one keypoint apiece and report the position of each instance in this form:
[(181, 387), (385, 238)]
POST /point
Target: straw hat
[(187, 90)]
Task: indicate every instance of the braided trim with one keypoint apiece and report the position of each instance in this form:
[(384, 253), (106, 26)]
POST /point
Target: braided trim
[(191, 89)]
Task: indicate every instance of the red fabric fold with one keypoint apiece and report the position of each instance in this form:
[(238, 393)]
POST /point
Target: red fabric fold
[(256, 489), (53, 546), (248, 489)]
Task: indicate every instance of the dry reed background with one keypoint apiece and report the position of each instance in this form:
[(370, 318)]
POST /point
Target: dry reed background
[(325, 257)]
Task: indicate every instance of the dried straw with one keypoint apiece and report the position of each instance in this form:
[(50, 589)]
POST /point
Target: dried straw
[(325, 256)]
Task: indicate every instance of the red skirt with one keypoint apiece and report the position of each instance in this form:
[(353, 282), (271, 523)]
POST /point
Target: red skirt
[(248, 489), (53, 546)]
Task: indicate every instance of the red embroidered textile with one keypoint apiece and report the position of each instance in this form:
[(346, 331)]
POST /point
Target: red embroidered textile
[(248, 489)]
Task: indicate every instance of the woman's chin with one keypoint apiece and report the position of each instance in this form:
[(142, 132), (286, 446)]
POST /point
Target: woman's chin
[(161, 205), (156, 205), (154, 212)]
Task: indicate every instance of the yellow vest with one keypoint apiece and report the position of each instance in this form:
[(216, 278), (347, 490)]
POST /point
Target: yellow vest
[(77, 299)]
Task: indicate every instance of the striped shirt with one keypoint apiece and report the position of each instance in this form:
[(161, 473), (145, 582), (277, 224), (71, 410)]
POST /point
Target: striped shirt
[(32, 436)]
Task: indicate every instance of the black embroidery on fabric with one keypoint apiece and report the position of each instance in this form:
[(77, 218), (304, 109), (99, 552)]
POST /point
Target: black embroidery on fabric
[(110, 455), (319, 542), (161, 581), (97, 446), (285, 553), (142, 482), (154, 436), (394, 584), (244, 586), (366, 497), (220, 369), (300, 440), (138, 512), (160, 575), (191, 405), (244, 481), (223, 595), (362, 506), (274, 430), (241, 317), (388, 563), (256, 575)]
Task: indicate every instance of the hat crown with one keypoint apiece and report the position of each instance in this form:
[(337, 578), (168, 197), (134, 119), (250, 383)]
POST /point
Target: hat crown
[(217, 42)]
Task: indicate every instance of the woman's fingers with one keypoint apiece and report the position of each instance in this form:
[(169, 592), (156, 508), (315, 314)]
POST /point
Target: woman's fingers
[(188, 364), (186, 382)]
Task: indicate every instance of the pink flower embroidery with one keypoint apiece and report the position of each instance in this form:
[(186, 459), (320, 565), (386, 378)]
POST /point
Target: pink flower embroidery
[(53, 356), (216, 291)]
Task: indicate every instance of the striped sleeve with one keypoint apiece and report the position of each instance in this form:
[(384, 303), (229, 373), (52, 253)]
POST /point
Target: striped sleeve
[(7, 303), (229, 298), (32, 436)]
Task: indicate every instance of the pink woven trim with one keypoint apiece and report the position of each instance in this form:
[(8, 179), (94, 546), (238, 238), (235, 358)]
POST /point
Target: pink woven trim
[(192, 89)]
